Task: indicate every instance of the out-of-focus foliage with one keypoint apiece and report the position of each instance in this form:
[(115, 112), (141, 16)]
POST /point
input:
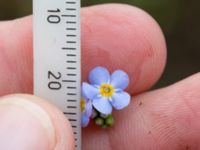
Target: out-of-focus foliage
[(10, 9), (166, 12)]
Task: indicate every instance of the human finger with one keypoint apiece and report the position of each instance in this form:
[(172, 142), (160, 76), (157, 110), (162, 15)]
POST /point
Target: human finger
[(114, 36), (164, 119), (123, 37), (28, 122)]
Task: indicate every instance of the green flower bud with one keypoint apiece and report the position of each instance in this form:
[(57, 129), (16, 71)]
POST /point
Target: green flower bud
[(99, 121), (109, 120), (104, 126)]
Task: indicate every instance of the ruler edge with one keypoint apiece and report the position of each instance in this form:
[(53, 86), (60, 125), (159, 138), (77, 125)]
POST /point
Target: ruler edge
[(80, 64)]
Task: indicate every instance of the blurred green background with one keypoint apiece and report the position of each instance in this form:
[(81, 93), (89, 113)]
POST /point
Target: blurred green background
[(179, 19)]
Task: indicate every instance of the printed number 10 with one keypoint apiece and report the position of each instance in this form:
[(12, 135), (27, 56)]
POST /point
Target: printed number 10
[(53, 16)]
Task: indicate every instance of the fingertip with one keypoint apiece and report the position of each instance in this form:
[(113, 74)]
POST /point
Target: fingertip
[(169, 114), (63, 130), (123, 37), (54, 122), (114, 35)]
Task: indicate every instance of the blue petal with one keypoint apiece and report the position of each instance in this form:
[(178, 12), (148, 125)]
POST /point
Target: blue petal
[(99, 75), (119, 79), (88, 91), (103, 105), (120, 100), (84, 120), (88, 108)]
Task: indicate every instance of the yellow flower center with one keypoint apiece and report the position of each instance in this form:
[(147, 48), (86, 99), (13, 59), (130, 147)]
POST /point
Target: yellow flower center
[(106, 90), (83, 104)]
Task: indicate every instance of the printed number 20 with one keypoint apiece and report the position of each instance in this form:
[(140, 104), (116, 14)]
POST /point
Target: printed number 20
[(55, 84)]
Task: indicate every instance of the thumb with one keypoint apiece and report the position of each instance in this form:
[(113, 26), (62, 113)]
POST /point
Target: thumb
[(30, 123)]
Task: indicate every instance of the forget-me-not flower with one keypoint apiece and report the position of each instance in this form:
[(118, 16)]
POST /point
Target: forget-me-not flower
[(107, 91), (86, 111)]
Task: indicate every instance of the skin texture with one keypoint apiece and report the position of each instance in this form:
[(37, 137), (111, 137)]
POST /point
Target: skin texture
[(112, 40), (117, 37)]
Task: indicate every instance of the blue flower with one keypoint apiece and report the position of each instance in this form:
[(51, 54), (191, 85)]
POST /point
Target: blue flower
[(107, 91), (86, 111)]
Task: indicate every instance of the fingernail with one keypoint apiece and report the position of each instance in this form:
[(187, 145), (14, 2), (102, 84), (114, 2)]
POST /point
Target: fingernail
[(24, 125)]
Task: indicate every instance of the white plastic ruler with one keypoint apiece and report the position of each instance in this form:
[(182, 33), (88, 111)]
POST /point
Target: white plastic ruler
[(57, 70)]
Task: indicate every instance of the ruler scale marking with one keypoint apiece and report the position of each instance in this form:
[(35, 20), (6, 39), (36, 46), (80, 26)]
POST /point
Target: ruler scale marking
[(57, 57)]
